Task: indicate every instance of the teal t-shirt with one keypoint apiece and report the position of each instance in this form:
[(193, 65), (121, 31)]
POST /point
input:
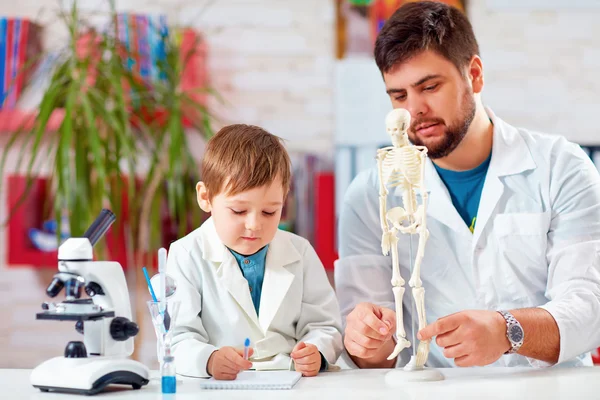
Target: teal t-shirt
[(465, 189), (253, 269)]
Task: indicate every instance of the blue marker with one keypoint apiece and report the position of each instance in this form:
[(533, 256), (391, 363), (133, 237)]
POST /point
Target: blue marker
[(246, 348)]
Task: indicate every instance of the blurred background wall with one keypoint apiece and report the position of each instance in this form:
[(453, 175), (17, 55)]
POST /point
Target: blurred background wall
[(304, 71)]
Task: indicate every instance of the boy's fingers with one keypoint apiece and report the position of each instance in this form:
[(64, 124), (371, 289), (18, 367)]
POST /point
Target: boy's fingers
[(226, 377), (230, 365), (307, 362), (229, 369), (238, 360), (306, 371), (299, 346), (306, 351)]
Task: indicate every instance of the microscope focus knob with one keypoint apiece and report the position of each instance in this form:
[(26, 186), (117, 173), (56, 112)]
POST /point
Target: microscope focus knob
[(75, 350), (93, 289), (122, 329), (79, 326)]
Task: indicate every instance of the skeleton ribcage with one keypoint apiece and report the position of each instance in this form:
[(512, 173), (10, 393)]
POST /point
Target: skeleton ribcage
[(402, 167), (402, 163)]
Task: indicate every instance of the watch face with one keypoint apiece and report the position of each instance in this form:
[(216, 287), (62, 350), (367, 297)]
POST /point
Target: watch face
[(515, 333)]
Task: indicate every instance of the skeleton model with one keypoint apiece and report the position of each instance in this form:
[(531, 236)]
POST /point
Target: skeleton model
[(403, 165)]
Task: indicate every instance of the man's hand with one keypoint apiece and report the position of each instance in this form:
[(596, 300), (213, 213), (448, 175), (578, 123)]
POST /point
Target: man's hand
[(368, 335), (307, 359), (227, 362), (471, 338)]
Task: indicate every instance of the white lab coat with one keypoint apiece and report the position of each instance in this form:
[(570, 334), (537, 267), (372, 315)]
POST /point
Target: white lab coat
[(536, 244), (297, 302)]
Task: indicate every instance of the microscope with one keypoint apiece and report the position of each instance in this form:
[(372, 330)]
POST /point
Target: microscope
[(104, 319)]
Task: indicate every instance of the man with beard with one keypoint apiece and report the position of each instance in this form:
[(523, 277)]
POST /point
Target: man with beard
[(511, 270)]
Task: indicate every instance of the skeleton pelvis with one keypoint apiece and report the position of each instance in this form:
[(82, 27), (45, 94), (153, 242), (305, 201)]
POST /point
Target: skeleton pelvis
[(401, 219)]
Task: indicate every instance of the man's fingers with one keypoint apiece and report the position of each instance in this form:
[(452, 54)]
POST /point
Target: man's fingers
[(374, 323), (448, 339), (365, 341), (389, 317), (366, 330), (440, 326), (356, 349), (456, 351), (464, 361)]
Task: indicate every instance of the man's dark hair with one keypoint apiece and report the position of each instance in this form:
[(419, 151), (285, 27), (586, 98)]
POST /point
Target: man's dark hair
[(425, 25)]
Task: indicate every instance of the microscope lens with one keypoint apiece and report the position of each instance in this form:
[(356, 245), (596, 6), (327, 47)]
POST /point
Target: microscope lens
[(73, 288), (54, 287)]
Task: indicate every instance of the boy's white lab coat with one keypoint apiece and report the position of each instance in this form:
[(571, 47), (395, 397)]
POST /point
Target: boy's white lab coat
[(297, 302)]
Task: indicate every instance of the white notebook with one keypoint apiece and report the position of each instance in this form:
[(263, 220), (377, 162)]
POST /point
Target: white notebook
[(256, 380)]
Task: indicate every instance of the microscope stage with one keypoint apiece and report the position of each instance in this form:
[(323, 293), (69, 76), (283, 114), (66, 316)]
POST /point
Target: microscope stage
[(74, 316)]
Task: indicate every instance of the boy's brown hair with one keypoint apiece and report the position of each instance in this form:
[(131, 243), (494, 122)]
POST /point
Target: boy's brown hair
[(242, 157)]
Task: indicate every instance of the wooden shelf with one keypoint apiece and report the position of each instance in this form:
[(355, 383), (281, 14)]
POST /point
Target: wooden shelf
[(13, 120)]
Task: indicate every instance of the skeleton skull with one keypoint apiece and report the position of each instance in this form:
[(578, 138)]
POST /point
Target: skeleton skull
[(397, 123)]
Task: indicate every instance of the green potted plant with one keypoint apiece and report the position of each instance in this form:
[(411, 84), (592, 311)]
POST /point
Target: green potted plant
[(113, 123)]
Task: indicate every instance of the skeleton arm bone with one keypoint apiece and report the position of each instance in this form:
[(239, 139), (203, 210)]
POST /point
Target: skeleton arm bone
[(386, 239)]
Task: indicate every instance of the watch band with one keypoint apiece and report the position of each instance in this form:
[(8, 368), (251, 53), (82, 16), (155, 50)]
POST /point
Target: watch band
[(512, 321)]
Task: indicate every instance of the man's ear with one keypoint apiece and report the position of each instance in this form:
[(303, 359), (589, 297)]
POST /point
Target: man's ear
[(475, 74), (202, 197)]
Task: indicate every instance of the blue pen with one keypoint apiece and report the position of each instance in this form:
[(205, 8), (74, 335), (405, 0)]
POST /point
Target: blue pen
[(149, 284), (167, 318), (246, 348)]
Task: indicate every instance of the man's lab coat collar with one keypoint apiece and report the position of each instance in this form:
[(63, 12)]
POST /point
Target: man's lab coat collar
[(510, 155)]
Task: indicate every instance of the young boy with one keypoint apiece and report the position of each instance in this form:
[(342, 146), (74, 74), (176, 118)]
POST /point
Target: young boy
[(238, 276)]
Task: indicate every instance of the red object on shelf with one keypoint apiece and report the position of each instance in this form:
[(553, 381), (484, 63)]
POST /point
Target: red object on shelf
[(596, 356), (325, 218), (30, 214)]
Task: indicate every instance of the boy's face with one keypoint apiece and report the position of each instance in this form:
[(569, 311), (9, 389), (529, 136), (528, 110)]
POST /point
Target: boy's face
[(247, 221)]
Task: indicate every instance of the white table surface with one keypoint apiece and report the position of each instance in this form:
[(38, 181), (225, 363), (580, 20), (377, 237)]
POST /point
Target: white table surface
[(460, 383)]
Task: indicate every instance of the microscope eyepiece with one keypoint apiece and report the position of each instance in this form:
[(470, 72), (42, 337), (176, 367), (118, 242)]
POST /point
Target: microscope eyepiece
[(100, 226), (55, 287)]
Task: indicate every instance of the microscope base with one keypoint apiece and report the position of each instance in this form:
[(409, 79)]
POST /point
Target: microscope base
[(89, 375)]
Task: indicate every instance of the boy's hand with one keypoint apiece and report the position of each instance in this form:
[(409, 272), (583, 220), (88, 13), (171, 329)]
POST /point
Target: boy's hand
[(227, 362), (307, 359)]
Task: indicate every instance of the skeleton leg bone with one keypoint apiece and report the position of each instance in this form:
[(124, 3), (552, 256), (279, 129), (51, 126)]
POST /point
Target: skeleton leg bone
[(419, 295), (398, 289)]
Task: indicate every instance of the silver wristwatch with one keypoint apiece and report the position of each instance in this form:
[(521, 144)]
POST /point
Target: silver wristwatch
[(514, 332)]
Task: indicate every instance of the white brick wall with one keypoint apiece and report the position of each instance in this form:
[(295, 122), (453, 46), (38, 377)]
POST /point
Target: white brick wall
[(541, 65)]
